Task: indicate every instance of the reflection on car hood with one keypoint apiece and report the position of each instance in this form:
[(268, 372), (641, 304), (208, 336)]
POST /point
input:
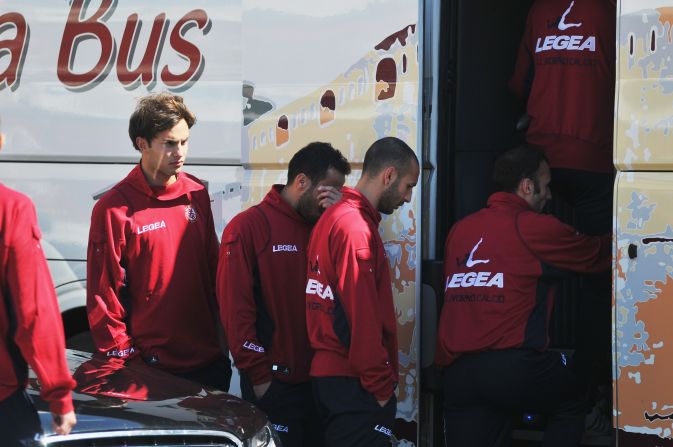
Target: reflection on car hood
[(113, 395)]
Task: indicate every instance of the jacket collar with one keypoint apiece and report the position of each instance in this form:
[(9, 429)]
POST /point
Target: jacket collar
[(508, 200), (274, 199), (357, 199), (183, 185)]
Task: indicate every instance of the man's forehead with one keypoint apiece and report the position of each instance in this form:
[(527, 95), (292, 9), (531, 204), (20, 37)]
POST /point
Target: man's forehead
[(412, 174), (177, 132), (543, 169)]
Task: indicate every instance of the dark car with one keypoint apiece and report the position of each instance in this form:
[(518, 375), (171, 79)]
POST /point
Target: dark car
[(132, 404)]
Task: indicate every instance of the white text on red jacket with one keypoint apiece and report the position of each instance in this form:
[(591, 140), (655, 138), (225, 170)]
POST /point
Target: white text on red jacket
[(315, 287), (151, 227), (475, 279)]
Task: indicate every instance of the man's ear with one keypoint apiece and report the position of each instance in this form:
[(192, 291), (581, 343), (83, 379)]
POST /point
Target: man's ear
[(302, 182), (142, 143), (389, 175), (2, 140), (527, 186)]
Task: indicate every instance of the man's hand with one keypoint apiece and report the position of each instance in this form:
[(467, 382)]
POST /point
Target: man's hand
[(63, 423), (383, 402), (328, 196), (261, 389)]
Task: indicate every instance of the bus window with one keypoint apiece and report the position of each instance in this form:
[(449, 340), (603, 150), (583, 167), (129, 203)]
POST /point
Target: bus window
[(327, 107), (386, 78), (282, 131)]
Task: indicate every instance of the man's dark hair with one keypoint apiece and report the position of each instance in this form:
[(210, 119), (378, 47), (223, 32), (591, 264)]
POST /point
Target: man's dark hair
[(314, 159), (388, 151), (155, 113), (517, 164)]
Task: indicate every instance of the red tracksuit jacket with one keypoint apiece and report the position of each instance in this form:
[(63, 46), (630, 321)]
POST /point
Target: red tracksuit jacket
[(566, 70), (500, 265), (350, 312), (260, 288), (30, 322), (151, 266)]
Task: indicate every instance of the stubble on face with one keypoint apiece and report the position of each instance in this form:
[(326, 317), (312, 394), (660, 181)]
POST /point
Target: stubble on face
[(391, 199), (308, 206)]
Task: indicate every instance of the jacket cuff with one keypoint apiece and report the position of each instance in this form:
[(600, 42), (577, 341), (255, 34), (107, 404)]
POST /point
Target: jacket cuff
[(62, 405), (382, 389), (384, 393), (260, 373)]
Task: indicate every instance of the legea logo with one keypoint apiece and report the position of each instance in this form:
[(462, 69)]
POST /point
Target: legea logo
[(562, 25), (151, 227), (475, 279), (253, 347), (288, 247), (385, 430), (315, 287), (569, 43), (471, 262)]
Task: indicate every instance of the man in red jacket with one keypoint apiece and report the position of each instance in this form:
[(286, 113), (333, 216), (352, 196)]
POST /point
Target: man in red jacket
[(565, 76), (350, 313), (152, 255), (500, 265), (260, 288), (30, 327)]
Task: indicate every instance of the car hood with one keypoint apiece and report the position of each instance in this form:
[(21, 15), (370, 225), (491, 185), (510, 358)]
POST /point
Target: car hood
[(115, 395)]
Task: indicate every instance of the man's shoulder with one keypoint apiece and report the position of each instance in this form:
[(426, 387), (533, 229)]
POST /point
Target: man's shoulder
[(350, 226), (15, 205), (530, 222), (192, 183), (248, 222), (487, 216), (116, 197), (343, 210), (10, 198)]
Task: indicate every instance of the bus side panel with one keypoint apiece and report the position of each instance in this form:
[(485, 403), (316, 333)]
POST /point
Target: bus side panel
[(643, 285), (644, 93)]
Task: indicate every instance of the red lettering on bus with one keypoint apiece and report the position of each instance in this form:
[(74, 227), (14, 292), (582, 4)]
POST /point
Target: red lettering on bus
[(16, 48), (78, 30), (189, 51), (146, 70)]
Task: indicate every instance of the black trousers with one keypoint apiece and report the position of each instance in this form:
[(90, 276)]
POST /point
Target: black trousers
[(216, 375), (590, 195), (483, 392), (352, 416), (19, 422), (291, 410)]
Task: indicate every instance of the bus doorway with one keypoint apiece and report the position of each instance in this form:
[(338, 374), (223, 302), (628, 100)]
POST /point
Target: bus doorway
[(470, 118)]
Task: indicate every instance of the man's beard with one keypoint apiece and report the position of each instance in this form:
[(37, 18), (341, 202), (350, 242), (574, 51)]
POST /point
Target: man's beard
[(307, 207), (390, 199)]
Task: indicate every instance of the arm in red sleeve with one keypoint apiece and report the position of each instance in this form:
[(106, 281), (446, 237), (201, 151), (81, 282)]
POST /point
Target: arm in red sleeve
[(105, 280), (560, 245), (354, 259), (235, 295), (39, 332)]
